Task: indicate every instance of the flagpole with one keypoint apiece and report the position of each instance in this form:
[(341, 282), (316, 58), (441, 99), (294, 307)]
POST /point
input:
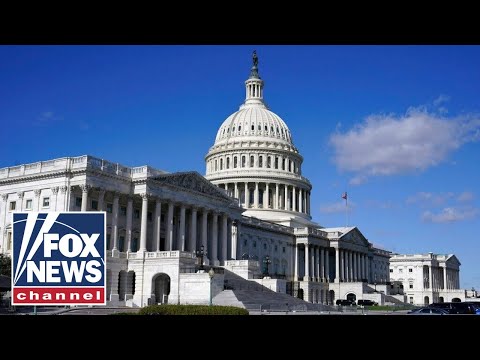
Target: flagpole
[(346, 211)]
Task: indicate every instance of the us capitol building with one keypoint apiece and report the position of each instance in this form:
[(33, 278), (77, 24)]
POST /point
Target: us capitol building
[(242, 235)]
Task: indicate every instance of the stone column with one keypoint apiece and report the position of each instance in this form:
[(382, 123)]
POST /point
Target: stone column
[(300, 200), (367, 260), (308, 203), (342, 265), (234, 239), (63, 191), (204, 231), (312, 262), (129, 223), (276, 197), (322, 264), (285, 200), (430, 277), (307, 264), (181, 232), (317, 263), (337, 265), (114, 234), (55, 194), (350, 261), (266, 197), (327, 265), (85, 189), (36, 204), (214, 243), (158, 224), (143, 226), (224, 255), (192, 245), (294, 202), (296, 263), (255, 196), (20, 195), (247, 196), (355, 263), (236, 192), (169, 234), (101, 199)]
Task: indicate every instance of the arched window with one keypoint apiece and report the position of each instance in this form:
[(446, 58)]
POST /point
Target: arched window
[(239, 127), (252, 160), (289, 165), (259, 127), (253, 127), (269, 162), (215, 165), (266, 128), (228, 130), (276, 162), (228, 163), (283, 164), (235, 162), (243, 161), (271, 129), (221, 164), (252, 194), (260, 161), (233, 129)]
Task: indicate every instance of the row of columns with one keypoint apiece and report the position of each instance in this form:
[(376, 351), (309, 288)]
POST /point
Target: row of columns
[(350, 265), (242, 161), (183, 243), (281, 199), (316, 264)]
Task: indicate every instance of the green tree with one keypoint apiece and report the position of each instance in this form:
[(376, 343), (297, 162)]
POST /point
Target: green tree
[(5, 265)]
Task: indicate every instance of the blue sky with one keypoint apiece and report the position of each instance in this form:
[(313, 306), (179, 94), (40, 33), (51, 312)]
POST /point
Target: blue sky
[(398, 127)]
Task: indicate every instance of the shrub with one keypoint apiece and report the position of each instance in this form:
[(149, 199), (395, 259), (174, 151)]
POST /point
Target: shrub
[(192, 310)]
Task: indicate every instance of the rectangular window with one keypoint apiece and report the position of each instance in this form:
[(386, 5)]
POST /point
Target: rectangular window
[(410, 270), (78, 202), (121, 242), (283, 249), (264, 246), (162, 218), (276, 247), (149, 216), (411, 299), (46, 202), (136, 214), (109, 208), (94, 205), (13, 205), (254, 244), (108, 241), (245, 242), (410, 286), (9, 241), (391, 270), (123, 210), (28, 204)]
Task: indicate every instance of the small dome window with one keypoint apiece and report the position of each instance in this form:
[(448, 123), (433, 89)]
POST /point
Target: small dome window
[(228, 130), (239, 127), (233, 129), (259, 127), (266, 128), (253, 127), (271, 129)]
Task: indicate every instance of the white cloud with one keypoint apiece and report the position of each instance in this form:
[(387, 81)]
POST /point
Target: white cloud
[(46, 118), (441, 100), (465, 196), (358, 180), (450, 214), (391, 144), (430, 199), (336, 207)]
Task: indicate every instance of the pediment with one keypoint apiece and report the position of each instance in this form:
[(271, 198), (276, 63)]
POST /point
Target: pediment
[(192, 181), (354, 236)]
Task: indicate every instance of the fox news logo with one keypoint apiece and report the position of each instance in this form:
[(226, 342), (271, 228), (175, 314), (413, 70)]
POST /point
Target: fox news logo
[(58, 258)]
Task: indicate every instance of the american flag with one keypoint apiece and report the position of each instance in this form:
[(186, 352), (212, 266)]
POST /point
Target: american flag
[(344, 195)]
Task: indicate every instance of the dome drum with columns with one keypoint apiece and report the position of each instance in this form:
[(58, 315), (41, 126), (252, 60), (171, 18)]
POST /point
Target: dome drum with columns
[(255, 161)]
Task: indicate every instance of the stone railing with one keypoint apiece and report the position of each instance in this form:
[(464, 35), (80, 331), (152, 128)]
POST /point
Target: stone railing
[(246, 263), (152, 255), (79, 163), (266, 224), (255, 173), (310, 231)]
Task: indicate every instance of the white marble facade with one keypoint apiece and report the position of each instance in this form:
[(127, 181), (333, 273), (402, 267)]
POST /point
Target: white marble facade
[(252, 205), (426, 278)]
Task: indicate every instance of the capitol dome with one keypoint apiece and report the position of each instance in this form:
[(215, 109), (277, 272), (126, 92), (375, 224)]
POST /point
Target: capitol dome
[(254, 159)]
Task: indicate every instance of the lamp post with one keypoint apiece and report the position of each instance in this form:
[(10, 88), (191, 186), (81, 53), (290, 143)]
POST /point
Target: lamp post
[(267, 262), (201, 253), (211, 274)]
